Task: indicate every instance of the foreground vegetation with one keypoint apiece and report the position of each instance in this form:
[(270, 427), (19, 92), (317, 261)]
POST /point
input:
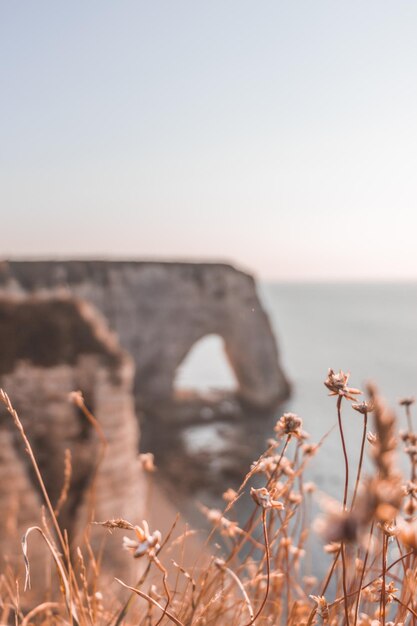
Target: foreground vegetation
[(255, 573)]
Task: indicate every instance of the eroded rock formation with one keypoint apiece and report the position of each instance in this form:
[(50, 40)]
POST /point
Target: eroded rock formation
[(160, 310), (49, 348)]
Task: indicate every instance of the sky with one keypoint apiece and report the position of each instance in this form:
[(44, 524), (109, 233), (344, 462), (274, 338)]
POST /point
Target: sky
[(280, 136)]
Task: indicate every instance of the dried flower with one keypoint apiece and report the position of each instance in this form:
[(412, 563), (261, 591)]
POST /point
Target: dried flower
[(379, 499), (409, 489), (111, 524), (76, 397), (309, 449), (146, 543), (411, 451), (147, 461), (407, 534), (408, 437), (290, 424), (410, 507), (229, 495), (337, 384), (262, 497), (363, 407), (269, 464), (309, 487), (337, 525), (373, 593), (297, 553), (322, 606), (383, 452), (388, 528), (227, 527), (332, 547), (310, 581), (295, 498), (408, 401)]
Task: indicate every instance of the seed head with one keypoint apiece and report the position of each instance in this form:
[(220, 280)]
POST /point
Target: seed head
[(332, 547), (112, 524), (226, 527), (147, 461), (363, 407), (322, 606), (337, 385), (407, 534), (290, 424), (309, 487), (310, 449), (145, 542), (373, 593), (337, 525), (229, 495), (408, 401), (408, 437), (263, 498)]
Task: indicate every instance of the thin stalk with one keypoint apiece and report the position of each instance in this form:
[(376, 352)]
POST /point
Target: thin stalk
[(342, 437), (274, 473), (368, 584), (384, 569), (363, 573), (268, 571), (345, 591), (408, 414), (165, 583), (408, 608), (7, 403), (345, 493), (243, 591), (365, 423), (145, 596)]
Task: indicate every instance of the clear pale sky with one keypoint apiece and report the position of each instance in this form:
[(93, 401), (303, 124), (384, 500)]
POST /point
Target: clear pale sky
[(278, 135)]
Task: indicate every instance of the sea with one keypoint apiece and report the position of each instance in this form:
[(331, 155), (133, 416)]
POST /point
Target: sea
[(367, 329)]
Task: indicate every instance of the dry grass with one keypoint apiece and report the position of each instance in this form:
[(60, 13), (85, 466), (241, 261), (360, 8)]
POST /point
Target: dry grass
[(256, 573)]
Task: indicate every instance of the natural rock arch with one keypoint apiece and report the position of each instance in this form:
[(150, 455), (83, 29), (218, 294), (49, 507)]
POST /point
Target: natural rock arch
[(160, 310), (211, 348)]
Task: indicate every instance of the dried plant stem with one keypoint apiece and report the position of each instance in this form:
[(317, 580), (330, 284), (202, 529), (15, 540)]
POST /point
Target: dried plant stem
[(45, 606), (275, 472), (7, 403), (326, 584), (80, 403), (345, 592), (371, 582), (243, 591), (165, 583), (345, 456), (358, 476), (408, 608), (365, 561), (125, 608), (268, 571), (408, 414), (67, 481), (384, 569), (145, 596), (123, 611), (345, 493)]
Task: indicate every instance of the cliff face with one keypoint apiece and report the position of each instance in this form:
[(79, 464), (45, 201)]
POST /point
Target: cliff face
[(160, 310), (51, 347)]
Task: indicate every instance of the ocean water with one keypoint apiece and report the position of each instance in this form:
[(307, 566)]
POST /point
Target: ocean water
[(367, 329)]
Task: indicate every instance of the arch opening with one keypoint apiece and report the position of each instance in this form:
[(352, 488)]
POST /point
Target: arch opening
[(206, 368)]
